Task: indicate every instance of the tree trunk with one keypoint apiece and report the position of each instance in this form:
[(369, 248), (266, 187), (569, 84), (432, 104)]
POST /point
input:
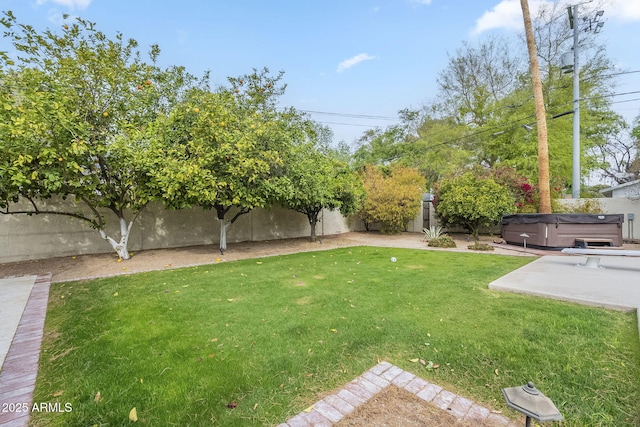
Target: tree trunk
[(312, 216), (223, 235), (541, 119), (121, 247), (313, 223)]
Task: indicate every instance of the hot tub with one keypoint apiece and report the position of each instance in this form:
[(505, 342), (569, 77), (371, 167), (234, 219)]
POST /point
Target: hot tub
[(557, 231)]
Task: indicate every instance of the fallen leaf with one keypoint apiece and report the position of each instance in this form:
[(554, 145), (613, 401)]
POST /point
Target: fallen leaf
[(133, 414), (58, 393), (334, 330), (115, 294), (413, 360), (230, 299), (258, 262), (309, 409), (496, 371), (98, 397), (255, 406), (423, 362)]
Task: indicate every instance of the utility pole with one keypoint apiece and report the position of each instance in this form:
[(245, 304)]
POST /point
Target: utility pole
[(591, 24)]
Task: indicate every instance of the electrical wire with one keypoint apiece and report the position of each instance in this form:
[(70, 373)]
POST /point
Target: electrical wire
[(355, 116)]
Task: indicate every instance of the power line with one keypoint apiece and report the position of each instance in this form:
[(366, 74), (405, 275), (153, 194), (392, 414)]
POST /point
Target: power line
[(611, 95), (355, 116), (626, 100), (345, 124), (621, 73)]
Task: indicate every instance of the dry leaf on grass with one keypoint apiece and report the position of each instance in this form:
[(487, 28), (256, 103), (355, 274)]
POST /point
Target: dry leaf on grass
[(133, 414)]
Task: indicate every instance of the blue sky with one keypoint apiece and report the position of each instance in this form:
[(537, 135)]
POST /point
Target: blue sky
[(357, 61)]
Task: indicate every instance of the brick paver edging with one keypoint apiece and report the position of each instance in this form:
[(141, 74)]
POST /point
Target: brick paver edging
[(335, 407), (20, 368)]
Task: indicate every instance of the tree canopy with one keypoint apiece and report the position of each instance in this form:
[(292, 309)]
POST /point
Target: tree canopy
[(76, 106), (320, 180), (225, 149), (472, 201)]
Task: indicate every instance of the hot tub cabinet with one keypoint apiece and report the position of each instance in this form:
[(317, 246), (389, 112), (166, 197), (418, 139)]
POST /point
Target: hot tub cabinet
[(557, 231)]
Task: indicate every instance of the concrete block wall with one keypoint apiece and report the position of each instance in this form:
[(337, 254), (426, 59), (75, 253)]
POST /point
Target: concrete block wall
[(617, 205), (25, 237)]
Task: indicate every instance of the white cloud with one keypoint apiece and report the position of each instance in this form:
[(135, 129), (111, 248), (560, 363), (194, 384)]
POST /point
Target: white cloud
[(508, 14), (421, 1), (348, 63), (71, 4), (624, 10)]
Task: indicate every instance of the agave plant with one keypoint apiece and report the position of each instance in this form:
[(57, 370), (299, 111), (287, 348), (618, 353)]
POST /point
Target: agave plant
[(433, 232)]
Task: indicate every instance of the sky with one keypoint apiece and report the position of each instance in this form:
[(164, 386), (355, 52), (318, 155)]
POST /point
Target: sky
[(352, 64)]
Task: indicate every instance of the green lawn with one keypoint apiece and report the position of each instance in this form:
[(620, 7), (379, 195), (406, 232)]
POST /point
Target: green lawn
[(273, 334)]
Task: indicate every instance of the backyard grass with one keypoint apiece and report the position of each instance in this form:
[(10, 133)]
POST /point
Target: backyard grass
[(272, 335)]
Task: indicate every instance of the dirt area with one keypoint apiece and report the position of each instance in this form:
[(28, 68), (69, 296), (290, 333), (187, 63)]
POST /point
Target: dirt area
[(108, 264), (394, 406)]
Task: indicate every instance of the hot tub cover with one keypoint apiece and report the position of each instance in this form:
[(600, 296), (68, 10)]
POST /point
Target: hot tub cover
[(563, 219)]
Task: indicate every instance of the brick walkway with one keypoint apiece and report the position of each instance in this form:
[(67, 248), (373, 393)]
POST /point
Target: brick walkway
[(335, 407), (20, 368)]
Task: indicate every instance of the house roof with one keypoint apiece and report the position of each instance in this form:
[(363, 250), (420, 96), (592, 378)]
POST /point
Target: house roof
[(609, 191)]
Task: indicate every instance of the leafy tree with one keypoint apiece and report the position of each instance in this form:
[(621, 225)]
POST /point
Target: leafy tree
[(620, 156), (393, 197), (225, 149), (384, 146), (321, 181), (476, 77), (75, 110), (472, 201)]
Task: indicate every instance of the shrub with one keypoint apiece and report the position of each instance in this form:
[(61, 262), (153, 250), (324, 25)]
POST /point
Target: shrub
[(477, 246), (472, 202), (443, 241), (392, 198), (588, 206)]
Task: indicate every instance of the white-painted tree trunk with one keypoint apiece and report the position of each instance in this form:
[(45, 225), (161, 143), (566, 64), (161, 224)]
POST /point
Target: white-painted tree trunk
[(223, 235), (121, 247)]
